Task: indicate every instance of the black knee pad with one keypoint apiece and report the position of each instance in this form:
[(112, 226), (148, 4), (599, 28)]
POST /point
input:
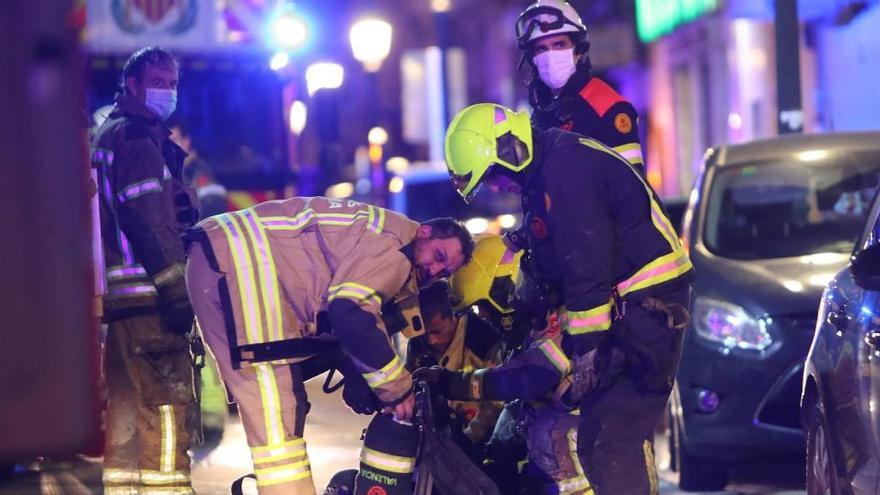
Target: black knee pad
[(387, 458)]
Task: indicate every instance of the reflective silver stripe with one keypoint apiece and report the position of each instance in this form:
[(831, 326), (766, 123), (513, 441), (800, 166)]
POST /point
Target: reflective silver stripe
[(210, 190), (132, 290), (171, 274), (272, 453), (283, 474), (125, 272), (387, 462), (139, 189), (166, 173), (102, 156)]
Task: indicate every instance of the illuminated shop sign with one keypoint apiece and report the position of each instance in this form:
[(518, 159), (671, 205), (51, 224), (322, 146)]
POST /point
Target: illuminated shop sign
[(654, 18)]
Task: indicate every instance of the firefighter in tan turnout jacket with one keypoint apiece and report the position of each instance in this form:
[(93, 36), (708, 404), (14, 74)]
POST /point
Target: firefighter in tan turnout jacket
[(261, 281)]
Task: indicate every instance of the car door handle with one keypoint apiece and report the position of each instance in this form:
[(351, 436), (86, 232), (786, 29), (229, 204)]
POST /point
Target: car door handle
[(838, 319), (872, 338)]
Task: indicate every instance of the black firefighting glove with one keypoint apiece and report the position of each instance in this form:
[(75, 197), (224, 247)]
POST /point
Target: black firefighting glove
[(597, 368), (356, 393), (454, 385)]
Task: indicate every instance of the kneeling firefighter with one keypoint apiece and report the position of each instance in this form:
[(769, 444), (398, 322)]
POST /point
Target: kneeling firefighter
[(540, 411)]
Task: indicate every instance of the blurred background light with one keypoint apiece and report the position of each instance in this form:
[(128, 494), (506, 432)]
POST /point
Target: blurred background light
[(441, 5), (370, 42), (341, 190), (397, 164), (298, 116), (395, 185), (506, 221), (287, 30), (476, 225), (378, 136), (324, 75), (279, 61)]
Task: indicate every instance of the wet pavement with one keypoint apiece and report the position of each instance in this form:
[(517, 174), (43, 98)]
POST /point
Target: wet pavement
[(333, 435)]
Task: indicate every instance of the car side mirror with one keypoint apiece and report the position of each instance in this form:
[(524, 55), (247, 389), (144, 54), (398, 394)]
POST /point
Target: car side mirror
[(865, 268)]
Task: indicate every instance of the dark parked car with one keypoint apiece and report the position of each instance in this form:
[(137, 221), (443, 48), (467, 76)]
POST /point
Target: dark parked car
[(768, 224), (841, 391)]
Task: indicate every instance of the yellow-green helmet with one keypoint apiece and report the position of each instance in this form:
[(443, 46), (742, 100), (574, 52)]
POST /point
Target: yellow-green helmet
[(489, 277), (482, 136)]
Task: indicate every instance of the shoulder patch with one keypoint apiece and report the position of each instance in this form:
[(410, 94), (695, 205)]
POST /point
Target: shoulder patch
[(600, 96), (623, 123)]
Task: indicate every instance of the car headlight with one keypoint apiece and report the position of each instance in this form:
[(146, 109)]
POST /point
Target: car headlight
[(729, 325)]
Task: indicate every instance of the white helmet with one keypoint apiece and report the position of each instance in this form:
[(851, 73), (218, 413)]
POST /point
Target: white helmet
[(547, 18)]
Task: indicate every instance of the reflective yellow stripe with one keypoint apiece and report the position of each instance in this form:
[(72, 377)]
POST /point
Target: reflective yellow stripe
[(244, 275), (271, 403), (354, 290), (664, 268), (388, 373), (293, 450), (555, 355), (305, 217), (272, 449), (387, 462), (164, 478), (113, 475), (579, 483), (265, 268), (168, 450), (283, 474), (176, 490), (592, 320), (632, 152), (120, 490), (653, 477)]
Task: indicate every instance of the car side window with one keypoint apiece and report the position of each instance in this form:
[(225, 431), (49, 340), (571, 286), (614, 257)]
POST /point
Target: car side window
[(871, 233)]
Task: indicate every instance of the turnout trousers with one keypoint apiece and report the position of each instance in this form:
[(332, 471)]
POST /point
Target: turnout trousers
[(615, 435), (151, 411), (271, 398)]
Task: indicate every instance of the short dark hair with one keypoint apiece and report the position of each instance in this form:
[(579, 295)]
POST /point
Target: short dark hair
[(446, 227), (137, 62), (434, 300)]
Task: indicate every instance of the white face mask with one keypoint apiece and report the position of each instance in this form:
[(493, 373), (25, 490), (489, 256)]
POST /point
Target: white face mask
[(162, 102), (555, 67)]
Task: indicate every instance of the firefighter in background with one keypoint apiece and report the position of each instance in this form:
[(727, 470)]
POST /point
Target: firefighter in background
[(199, 175), (562, 90), (260, 280), (541, 411), (145, 207), (457, 342), (602, 247)]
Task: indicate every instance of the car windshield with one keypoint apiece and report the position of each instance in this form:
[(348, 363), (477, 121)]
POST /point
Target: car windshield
[(794, 208)]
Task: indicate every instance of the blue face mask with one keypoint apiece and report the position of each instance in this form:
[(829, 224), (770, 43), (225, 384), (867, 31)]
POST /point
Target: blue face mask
[(161, 102)]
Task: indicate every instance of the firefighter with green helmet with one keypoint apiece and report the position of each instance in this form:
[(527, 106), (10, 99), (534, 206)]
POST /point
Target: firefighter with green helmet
[(608, 260)]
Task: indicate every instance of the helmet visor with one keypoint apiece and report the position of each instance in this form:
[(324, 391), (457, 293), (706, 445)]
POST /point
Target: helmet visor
[(544, 19)]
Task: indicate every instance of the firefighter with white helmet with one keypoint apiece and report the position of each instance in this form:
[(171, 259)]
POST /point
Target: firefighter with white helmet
[(564, 93)]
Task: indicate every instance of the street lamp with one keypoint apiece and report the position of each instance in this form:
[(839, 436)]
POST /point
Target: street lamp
[(377, 137), (323, 75), (370, 42)]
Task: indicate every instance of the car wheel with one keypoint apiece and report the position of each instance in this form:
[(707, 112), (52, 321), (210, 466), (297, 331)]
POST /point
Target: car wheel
[(695, 474), (821, 467)]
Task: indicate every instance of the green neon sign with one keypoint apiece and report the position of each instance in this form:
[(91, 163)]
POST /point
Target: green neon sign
[(654, 18)]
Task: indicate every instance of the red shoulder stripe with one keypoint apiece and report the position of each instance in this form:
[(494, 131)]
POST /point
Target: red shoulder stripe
[(600, 96)]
